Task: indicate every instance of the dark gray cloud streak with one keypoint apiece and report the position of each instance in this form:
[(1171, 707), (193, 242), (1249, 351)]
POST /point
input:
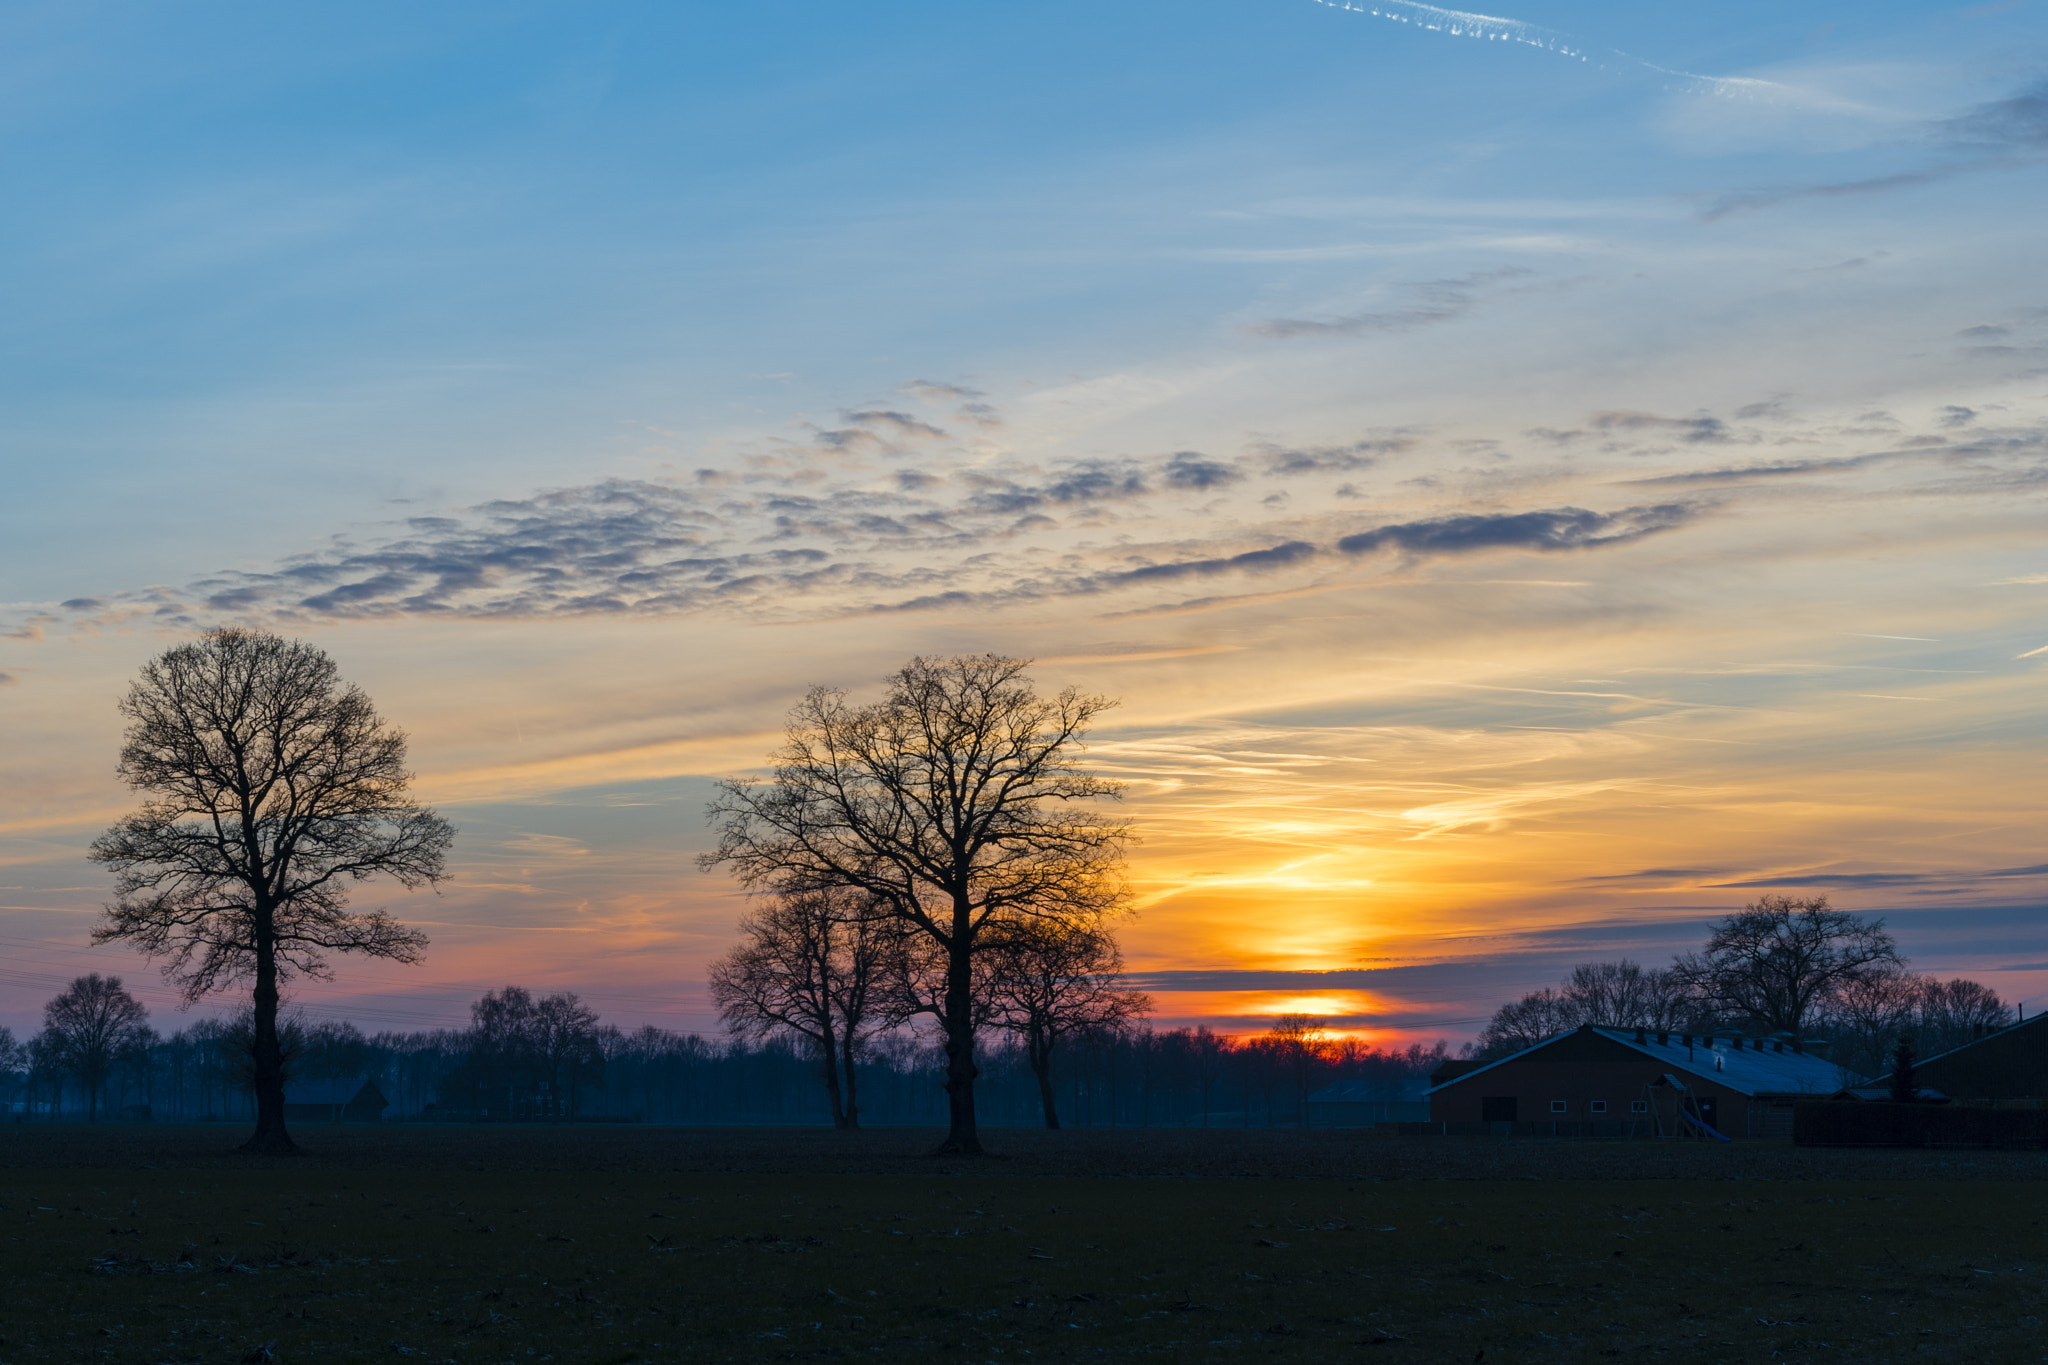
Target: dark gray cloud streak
[(1557, 529), (1564, 528), (1999, 135), (1884, 879), (629, 547), (1423, 303)]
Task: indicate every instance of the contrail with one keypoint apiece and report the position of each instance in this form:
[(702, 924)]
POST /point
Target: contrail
[(1492, 28), (1459, 24)]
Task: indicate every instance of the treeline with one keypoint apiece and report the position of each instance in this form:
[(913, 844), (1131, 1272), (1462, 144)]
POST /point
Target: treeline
[(551, 1058), (1799, 968)]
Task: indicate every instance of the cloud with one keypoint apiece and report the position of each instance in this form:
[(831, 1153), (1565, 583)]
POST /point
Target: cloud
[(1193, 470), (932, 392), (1784, 468), (874, 427), (1086, 482), (8, 680), (1345, 458), (1429, 302), (2018, 121), (1955, 416), (1563, 528), (1492, 28), (902, 423), (1699, 430), (1885, 879), (1278, 557), (2006, 133), (1656, 874)]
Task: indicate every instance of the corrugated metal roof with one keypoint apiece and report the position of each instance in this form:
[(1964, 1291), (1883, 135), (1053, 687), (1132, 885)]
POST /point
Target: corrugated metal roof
[(1361, 1092), (1744, 1069)]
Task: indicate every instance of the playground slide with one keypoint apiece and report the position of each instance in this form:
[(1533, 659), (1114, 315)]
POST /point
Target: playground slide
[(1706, 1128)]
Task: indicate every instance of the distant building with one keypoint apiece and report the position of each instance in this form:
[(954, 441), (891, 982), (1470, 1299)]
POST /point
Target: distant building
[(333, 1102), (2011, 1064), (1606, 1081), (1360, 1104)]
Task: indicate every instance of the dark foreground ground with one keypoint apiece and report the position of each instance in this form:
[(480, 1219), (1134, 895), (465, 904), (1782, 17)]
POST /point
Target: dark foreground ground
[(153, 1243)]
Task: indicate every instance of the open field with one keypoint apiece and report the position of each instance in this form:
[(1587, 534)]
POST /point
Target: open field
[(608, 1245)]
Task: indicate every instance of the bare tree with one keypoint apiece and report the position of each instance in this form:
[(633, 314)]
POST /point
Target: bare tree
[(1777, 959), (1048, 980), (1209, 1058), (1299, 1042), (518, 1048), (1956, 1011), (1625, 995), (13, 1062), (1864, 1016), (1526, 1022), (90, 1026), (567, 1044), (820, 965), (954, 804), (274, 787)]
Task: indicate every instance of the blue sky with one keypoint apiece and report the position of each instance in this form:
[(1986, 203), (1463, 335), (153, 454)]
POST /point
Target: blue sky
[(1143, 339)]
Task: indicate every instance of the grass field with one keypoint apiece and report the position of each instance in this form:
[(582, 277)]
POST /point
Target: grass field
[(594, 1245)]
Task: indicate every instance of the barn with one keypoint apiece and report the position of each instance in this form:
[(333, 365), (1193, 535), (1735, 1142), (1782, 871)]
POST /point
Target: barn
[(1631, 1082), (1360, 1104), (333, 1102), (2011, 1064)]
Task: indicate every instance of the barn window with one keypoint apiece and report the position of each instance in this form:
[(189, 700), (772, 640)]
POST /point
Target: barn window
[(1638, 1106), (1557, 1106), (1598, 1106)]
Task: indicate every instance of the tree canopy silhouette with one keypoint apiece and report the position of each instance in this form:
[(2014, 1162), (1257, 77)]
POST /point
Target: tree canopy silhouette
[(954, 803), (274, 788), (1048, 981), (87, 1026), (1776, 959), (820, 965)]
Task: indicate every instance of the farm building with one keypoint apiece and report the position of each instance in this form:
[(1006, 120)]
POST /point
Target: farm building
[(333, 1102), (2011, 1064), (1360, 1104), (1613, 1082)]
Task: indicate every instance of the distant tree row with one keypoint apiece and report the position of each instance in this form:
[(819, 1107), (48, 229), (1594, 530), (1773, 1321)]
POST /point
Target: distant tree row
[(1798, 967), (549, 1058)]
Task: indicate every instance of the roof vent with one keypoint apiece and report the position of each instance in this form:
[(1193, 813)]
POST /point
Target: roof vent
[(1664, 1040), (1642, 1035)]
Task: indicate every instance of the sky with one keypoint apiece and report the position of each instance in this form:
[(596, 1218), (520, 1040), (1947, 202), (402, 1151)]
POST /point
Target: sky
[(1533, 482)]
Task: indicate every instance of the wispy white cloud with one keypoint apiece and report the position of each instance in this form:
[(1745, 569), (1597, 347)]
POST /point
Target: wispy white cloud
[(1495, 29)]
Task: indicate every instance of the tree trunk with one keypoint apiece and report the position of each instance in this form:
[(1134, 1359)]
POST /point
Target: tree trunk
[(267, 1058), (1041, 1067), (828, 1067), (962, 1138), (852, 1087)]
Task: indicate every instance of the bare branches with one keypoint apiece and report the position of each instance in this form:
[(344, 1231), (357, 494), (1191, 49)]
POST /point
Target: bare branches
[(955, 805), (1777, 959), (1046, 981), (953, 800), (274, 787), (821, 965), (86, 1028)]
